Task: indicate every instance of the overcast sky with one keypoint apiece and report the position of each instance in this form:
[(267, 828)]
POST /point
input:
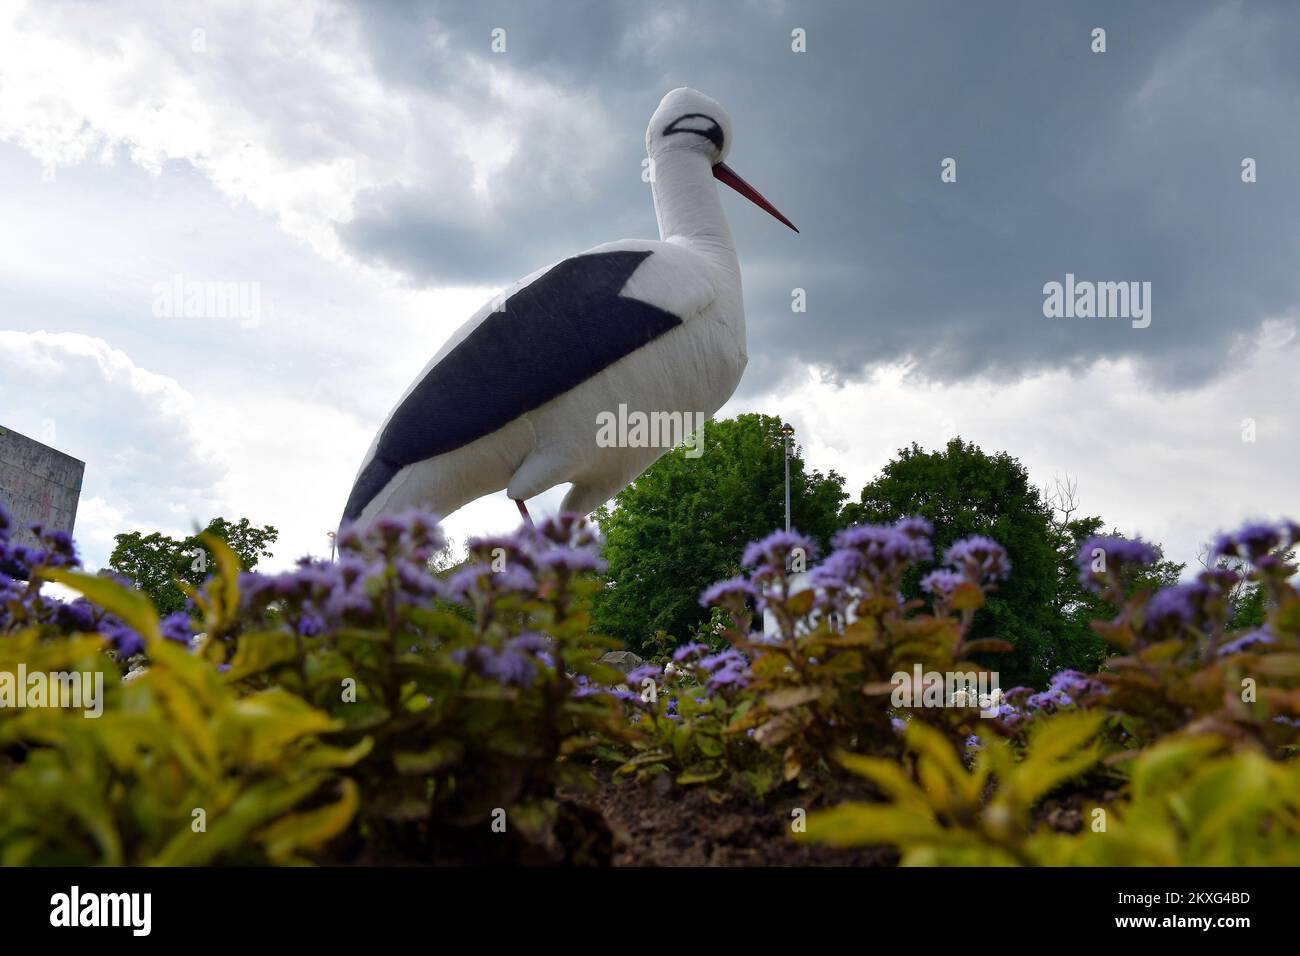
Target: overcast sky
[(368, 177)]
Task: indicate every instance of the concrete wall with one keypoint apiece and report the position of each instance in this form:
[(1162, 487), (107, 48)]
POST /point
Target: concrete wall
[(38, 484)]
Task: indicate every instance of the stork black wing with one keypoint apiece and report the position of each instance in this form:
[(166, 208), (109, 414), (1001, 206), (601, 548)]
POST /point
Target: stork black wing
[(553, 334)]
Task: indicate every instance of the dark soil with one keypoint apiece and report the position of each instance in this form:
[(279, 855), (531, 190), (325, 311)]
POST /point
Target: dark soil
[(658, 824)]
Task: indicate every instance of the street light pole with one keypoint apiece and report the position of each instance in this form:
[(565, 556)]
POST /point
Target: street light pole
[(786, 432)]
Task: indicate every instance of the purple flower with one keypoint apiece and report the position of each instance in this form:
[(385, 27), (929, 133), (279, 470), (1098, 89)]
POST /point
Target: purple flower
[(942, 582), (732, 675), (412, 534), (501, 550), (416, 580), (1250, 639), (176, 627), (982, 559), (125, 641), (481, 579), (731, 593), (838, 572), (640, 674), (79, 615), (904, 542), (1010, 714), (529, 642), (54, 549), (688, 651), (1252, 541), (1183, 605), (1049, 700), (309, 625), (728, 668), (884, 552), (1112, 553), (723, 658), (512, 667), (776, 549), (568, 529), (570, 560), (1071, 683), (348, 602)]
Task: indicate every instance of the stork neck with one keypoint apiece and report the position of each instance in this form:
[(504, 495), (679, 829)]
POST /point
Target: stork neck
[(688, 207)]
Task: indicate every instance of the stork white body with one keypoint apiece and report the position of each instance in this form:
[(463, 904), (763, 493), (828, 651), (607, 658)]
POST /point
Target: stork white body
[(690, 363)]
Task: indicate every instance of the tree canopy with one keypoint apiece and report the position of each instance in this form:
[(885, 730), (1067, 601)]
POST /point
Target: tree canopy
[(156, 561), (683, 524), (962, 491), (1041, 609)]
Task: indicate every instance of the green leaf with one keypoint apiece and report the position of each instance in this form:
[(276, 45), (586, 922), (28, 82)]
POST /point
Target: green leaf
[(135, 610), (699, 775), (866, 824), (708, 745), (789, 697), (440, 755), (888, 775), (311, 830), (1056, 752), (260, 651)]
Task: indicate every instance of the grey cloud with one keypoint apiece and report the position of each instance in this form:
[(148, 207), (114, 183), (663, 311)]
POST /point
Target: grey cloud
[(136, 436), (1115, 166)]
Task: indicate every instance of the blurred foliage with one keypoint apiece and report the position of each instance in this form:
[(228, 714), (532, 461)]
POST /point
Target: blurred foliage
[(1195, 723), (180, 769), (1190, 802), (470, 687)]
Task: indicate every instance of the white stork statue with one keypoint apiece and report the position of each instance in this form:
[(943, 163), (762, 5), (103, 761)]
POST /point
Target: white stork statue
[(512, 400)]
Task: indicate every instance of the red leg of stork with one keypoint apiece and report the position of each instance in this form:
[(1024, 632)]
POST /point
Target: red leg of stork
[(523, 510)]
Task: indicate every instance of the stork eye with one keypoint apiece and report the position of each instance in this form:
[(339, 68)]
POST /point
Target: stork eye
[(699, 124)]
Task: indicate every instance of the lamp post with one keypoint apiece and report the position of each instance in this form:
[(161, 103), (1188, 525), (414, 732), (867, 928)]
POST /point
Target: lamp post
[(331, 535), (786, 431)]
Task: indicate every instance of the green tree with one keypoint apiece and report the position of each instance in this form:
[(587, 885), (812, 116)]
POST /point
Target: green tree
[(964, 491), (1248, 601), (684, 523), (1075, 640), (155, 562)]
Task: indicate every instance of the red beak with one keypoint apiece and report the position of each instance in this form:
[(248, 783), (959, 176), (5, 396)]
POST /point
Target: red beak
[(725, 174)]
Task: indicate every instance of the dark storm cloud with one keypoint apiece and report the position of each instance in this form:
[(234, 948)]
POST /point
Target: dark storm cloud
[(1122, 166)]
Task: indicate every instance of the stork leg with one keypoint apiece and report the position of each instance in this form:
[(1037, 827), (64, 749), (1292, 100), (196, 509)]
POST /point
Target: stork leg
[(523, 510)]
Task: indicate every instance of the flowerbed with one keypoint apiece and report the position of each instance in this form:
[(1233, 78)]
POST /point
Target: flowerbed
[(369, 710)]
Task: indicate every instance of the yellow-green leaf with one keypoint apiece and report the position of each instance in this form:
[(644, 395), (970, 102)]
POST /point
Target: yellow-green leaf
[(135, 610)]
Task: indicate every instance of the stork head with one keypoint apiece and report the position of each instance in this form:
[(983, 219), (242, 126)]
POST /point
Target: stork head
[(687, 119)]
